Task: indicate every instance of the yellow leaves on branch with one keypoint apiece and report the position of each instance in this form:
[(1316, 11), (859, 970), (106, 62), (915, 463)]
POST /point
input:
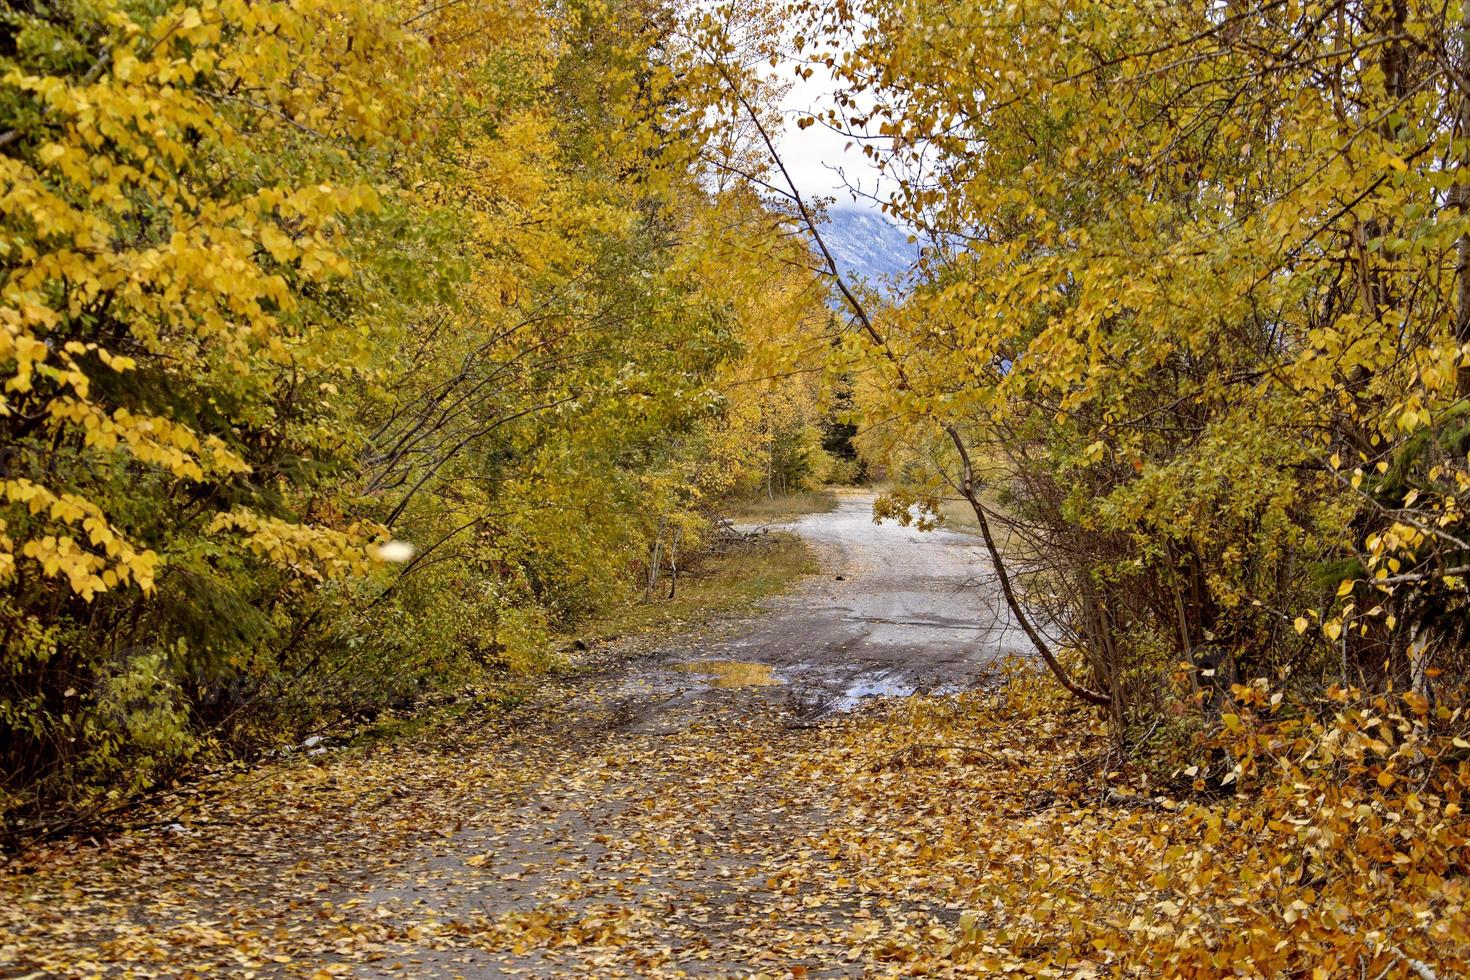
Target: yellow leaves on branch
[(151, 439), (316, 553), (112, 562), (119, 211)]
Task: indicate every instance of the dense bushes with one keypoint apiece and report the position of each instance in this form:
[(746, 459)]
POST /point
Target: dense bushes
[(349, 348), (1195, 307)]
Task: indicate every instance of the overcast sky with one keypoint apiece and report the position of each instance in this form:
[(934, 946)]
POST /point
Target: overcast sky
[(815, 154)]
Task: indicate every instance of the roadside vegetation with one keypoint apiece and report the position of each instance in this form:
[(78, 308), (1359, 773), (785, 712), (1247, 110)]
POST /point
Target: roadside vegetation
[(774, 510), (1193, 320), (353, 351), (729, 578), (1191, 337), (356, 351)]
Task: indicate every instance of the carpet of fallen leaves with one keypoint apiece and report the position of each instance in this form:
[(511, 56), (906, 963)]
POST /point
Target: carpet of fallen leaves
[(980, 834)]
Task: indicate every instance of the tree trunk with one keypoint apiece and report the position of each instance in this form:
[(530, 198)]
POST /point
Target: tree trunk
[(1460, 197)]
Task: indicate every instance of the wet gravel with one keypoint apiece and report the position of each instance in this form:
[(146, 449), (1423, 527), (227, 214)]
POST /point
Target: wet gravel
[(895, 612)]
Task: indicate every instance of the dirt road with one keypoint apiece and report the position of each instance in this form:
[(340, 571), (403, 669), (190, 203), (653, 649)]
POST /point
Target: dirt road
[(667, 816), (895, 612)]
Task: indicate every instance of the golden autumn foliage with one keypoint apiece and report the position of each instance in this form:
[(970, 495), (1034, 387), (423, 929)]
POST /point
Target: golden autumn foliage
[(354, 349), (1194, 313), (282, 281)]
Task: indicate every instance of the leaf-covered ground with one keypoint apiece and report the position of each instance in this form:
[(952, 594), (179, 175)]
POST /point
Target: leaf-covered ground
[(547, 839), (638, 819), (552, 839), (947, 836)]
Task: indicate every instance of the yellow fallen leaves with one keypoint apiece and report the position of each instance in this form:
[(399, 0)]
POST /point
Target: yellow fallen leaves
[(985, 834), (1329, 855)]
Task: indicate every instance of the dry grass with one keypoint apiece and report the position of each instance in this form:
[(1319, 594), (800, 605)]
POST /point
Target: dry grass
[(772, 510), (717, 586)]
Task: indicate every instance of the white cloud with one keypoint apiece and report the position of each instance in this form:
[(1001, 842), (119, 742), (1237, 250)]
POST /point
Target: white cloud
[(821, 161)]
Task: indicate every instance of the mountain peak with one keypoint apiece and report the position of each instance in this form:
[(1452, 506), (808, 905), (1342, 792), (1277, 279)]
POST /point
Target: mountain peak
[(868, 246)]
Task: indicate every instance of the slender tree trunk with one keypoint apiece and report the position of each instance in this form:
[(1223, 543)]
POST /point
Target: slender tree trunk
[(656, 559), (1460, 195), (674, 561), (1419, 662)]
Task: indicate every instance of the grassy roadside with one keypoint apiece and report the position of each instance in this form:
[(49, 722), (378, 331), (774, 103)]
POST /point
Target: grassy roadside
[(716, 587), (764, 510), (956, 514), (959, 516)]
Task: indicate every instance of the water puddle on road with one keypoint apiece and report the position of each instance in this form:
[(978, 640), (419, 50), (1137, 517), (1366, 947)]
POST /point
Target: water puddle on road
[(732, 673), (883, 684), (873, 684)]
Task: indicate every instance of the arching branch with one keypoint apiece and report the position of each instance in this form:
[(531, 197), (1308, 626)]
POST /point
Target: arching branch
[(967, 487)]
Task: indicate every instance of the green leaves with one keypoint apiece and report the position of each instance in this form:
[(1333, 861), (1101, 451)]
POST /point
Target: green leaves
[(282, 281), (1166, 292)]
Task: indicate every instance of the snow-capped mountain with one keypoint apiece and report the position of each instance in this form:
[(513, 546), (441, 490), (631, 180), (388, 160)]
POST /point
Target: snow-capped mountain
[(866, 245)]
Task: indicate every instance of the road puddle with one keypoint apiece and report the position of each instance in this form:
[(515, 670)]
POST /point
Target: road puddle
[(732, 673), (872, 684), (883, 684)]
